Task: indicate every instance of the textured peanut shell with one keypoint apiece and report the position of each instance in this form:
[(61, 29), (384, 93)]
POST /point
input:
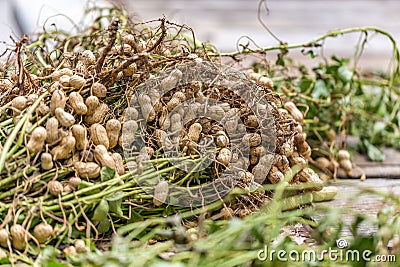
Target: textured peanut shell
[(98, 134), (80, 134), (113, 128), (58, 100), (36, 142), (87, 169)]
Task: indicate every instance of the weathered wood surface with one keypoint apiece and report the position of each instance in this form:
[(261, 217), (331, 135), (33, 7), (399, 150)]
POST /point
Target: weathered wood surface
[(223, 22), (349, 197)]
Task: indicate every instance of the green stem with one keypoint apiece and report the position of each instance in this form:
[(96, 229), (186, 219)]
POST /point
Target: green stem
[(316, 43), (22, 123)]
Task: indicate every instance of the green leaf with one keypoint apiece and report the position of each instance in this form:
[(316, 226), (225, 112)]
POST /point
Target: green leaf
[(344, 74), (104, 225), (320, 89), (280, 61), (135, 217), (374, 153), (54, 263), (101, 211), (106, 174), (305, 84), (115, 206), (4, 260), (308, 52), (116, 196)]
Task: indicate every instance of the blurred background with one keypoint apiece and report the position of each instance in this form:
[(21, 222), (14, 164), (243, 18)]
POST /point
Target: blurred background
[(224, 22)]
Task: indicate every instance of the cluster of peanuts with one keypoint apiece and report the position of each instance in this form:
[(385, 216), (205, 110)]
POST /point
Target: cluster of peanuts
[(185, 118), (292, 150), (291, 157), (75, 132)]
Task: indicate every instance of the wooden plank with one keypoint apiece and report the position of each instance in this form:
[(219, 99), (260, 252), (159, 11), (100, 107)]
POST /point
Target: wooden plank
[(223, 22)]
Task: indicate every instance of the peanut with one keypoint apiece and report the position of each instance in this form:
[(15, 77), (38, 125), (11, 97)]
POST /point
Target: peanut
[(282, 163), (146, 107), (52, 130), (77, 81), (216, 112), (58, 100), (129, 129), (92, 102), (18, 104), (102, 157), (46, 161), (19, 236), (5, 85), (260, 171), (302, 147), (64, 80), (4, 238), (87, 169), (80, 135), (261, 80), (194, 132), (221, 139), (42, 110), (119, 164), (42, 232), (343, 154), (130, 113), (294, 111), (55, 188), (113, 128), (64, 149), (77, 104), (88, 58), (36, 142), (98, 115), (66, 119), (171, 81), (224, 156), (160, 193), (275, 176), (251, 139), (297, 161), (58, 73), (31, 98), (347, 166), (176, 123), (80, 246), (251, 121), (99, 90), (307, 175), (162, 139), (74, 182), (98, 134), (287, 148), (177, 98), (323, 164), (130, 70)]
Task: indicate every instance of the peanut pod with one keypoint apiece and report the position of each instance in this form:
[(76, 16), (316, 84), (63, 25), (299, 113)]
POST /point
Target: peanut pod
[(87, 169), (66, 119), (98, 115), (58, 100), (64, 149), (77, 103), (113, 128), (36, 142), (103, 158), (98, 134)]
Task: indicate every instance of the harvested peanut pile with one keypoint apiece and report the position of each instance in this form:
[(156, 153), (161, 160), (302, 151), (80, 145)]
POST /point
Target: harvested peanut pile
[(128, 121)]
